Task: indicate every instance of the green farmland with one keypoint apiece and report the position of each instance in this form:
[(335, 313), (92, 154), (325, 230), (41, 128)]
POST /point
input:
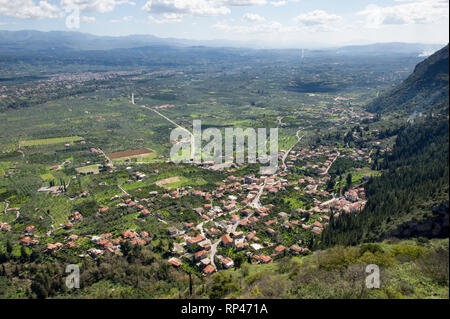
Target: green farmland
[(49, 141)]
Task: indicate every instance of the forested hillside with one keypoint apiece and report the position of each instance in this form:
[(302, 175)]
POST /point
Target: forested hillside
[(410, 198), (414, 188), (425, 89)]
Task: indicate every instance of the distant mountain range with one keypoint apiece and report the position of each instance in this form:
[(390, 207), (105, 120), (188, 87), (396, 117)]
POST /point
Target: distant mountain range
[(66, 40), (61, 40), (31, 40), (418, 49), (427, 88)]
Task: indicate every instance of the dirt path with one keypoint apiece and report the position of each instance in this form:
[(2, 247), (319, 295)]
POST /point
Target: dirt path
[(6, 207), (52, 226), (121, 188), (177, 125), (332, 162), (299, 138), (106, 156)]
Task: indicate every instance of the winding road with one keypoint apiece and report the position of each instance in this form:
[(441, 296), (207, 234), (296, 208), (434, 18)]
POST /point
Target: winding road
[(214, 245), (256, 204)]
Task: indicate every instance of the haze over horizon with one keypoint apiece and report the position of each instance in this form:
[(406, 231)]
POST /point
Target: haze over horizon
[(269, 23)]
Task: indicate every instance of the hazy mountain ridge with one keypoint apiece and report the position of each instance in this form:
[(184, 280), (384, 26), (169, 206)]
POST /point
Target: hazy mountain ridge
[(389, 48), (32, 40)]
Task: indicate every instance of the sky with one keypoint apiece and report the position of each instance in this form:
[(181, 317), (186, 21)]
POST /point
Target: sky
[(279, 23)]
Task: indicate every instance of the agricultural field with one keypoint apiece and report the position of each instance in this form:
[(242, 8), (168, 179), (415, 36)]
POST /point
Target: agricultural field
[(47, 141), (91, 169), (137, 153)]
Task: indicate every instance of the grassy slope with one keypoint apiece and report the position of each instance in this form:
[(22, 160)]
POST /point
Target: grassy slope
[(409, 269)]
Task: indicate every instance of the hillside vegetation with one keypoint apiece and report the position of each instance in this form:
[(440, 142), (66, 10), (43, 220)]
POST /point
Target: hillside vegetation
[(410, 198), (408, 269), (425, 89), (412, 190)]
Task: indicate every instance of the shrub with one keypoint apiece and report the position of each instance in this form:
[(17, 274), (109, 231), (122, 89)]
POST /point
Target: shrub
[(222, 284), (273, 287), (435, 265), (254, 277), (371, 247), (407, 251), (338, 257), (422, 240), (386, 292), (377, 258), (286, 264), (255, 292), (269, 286)]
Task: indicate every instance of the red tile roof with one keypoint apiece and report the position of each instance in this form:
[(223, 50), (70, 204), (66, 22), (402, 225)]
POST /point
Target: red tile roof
[(209, 269), (280, 248), (226, 239)]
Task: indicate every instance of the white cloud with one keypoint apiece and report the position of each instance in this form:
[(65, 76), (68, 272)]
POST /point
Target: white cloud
[(278, 3), (263, 28), (124, 19), (243, 3), (205, 8), (88, 19), (31, 9), (408, 12), (28, 9), (131, 3), (186, 7), (253, 17), (318, 18), (94, 5), (167, 18)]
